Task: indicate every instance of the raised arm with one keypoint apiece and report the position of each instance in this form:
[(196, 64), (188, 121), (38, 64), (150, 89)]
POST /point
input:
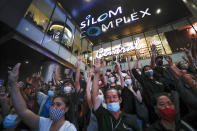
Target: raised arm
[(95, 89), (129, 62), (104, 71), (78, 65), (120, 74), (152, 64), (88, 91), (137, 60), (31, 119)]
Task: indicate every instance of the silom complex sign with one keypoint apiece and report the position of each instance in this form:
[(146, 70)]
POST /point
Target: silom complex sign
[(95, 30)]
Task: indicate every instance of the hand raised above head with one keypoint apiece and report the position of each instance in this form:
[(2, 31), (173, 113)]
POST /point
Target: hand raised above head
[(153, 47), (168, 59), (97, 65), (79, 61), (14, 73)]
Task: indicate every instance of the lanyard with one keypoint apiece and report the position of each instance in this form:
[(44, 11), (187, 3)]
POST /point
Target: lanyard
[(113, 129)]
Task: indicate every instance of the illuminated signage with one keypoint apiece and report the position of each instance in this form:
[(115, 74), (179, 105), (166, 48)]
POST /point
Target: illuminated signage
[(93, 30), (120, 49)]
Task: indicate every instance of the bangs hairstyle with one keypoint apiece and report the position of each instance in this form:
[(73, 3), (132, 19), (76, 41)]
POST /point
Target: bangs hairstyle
[(114, 88), (156, 96), (64, 98)]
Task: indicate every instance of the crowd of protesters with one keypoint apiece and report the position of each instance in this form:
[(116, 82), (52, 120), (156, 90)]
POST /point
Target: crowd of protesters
[(155, 97)]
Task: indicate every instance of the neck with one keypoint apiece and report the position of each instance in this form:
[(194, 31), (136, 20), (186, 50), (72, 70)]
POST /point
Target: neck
[(168, 125), (116, 114)]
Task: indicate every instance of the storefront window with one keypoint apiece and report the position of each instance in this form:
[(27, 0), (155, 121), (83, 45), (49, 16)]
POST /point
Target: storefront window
[(77, 43), (38, 15)]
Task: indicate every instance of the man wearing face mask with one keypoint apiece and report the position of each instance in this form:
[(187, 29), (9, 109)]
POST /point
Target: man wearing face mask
[(45, 101), (112, 118)]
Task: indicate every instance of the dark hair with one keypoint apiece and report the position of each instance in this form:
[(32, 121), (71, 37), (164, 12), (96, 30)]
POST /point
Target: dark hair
[(112, 88), (143, 69), (158, 57), (156, 96), (64, 98)]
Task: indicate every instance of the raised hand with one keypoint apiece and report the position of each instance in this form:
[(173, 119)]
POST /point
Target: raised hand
[(97, 66), (137, 55), (14, 74), (153, 47), (129, 58), (118, 69), (91, 73), (168, 59)]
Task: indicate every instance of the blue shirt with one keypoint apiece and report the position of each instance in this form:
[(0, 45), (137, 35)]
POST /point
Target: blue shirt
[(46, 108)]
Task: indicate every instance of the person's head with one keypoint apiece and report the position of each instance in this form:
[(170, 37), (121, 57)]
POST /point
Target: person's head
[(52, 91), (112, 99), (128, 80), (138, 70), (68, 87), (66, 71), (108, 72), (159, 60), (112, 78), (147, 71), (165, 107), (59, 107)]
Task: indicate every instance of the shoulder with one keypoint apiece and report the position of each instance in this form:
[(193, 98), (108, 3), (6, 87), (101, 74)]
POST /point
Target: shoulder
[(155, 127), (44, 123), (68, 127)]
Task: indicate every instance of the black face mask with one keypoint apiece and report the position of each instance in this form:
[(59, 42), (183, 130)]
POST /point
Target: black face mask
[(160, 63)]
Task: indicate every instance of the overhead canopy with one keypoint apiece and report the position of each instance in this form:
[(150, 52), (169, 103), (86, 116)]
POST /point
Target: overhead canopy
[(108, 20)]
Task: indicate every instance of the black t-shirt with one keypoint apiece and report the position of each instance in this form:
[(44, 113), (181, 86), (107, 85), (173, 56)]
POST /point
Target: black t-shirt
[(107, 122), (157, 126), (128, 101)]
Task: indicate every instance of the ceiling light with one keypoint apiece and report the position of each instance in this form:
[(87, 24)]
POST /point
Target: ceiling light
[(87, 0), (185, 1), (27, 62), (158, 11)]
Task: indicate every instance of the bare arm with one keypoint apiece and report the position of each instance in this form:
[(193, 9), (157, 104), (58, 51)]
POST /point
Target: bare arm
[(137, 60), (78, 65), (95, 89), (31, 119), (153, 56), (120, 74), (129, 62), (104, 76), (88, 92)]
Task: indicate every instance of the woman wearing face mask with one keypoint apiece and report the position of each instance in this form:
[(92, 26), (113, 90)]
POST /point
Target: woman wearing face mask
[(59, 107), (165, 109)]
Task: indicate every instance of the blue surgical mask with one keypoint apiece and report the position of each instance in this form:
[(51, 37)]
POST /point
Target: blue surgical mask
[(50, 93), (128, 82), (111, 80), (149, 72), (113, 107), (9, 121)]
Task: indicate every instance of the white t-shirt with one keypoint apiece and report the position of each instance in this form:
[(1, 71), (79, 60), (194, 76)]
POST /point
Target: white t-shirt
[(45, 124)]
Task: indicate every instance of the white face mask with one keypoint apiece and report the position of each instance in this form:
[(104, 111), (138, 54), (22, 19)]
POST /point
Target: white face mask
[(128, 82), (108, 73), (111, 80), (67, 89)]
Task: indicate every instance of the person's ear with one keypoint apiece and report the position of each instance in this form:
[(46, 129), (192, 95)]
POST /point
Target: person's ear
[(66, 109)]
